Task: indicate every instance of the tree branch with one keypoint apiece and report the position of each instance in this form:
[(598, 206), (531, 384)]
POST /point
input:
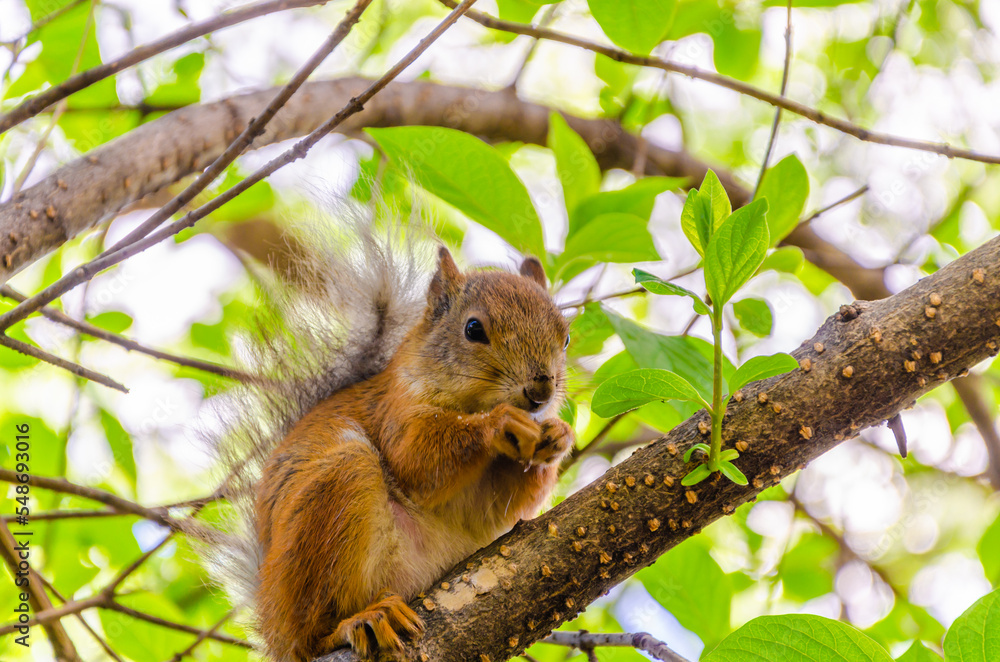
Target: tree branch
[(157, 514), (549, 569), (777, 113), (642, 641), (62, 645), (127, 343), (732, 84), (52, 359), (88, 271), (43, 100)]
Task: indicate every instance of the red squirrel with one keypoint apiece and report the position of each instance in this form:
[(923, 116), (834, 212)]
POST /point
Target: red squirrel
[(394, 477)]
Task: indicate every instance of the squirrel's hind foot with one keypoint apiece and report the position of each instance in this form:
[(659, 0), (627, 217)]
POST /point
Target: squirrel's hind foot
[(377, 628)]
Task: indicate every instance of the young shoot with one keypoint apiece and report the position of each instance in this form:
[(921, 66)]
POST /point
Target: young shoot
[(733, 246)]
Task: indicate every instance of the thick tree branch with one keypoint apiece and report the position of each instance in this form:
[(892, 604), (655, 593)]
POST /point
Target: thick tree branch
[(151, 157), (549, 569), (62, 645)]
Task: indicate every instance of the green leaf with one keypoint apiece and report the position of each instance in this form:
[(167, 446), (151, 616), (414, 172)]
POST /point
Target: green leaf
[(616, 365), (633, 389), (696, 475), (754, 316), (736, 51), (635, 25), (786, 188), (691, 358), (183, 89), (798, 638), (806, 571), (121, 445), (690, 585), (470, 175), (61, 42), (657, 285), (112, 321), (989, 552), (588, 331), (567, 411), (613, 237), (918, 653), (521, 11), (787, 259), (704, 448), (704, 211), (730, 471), (906, 621), (637, 198), (578, 171), (735, 251), (762, 367), (975, 635)]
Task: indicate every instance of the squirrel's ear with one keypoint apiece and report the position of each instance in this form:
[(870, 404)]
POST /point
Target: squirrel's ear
[(445, 285), (532, 268)]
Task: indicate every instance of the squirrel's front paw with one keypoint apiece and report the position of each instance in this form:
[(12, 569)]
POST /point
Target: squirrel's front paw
[(557, 437), (518, 434)]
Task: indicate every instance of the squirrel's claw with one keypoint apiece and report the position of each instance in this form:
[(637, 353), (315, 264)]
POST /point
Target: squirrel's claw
[(377, 628), (555, 440)]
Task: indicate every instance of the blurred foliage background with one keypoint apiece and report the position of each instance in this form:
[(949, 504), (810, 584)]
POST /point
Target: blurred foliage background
[(897, 548)]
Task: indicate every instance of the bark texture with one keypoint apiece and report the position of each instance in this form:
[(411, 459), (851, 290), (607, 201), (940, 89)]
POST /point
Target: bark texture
[(865, 364)]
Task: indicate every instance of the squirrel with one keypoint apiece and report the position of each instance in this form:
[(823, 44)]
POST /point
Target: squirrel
[(431, 432)]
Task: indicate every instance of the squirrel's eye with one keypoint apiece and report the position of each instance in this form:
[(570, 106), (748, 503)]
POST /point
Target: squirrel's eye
[(566, 344), (475, 332)]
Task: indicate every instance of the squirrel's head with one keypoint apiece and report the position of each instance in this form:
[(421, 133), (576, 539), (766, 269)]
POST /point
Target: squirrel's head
[(489, 337)]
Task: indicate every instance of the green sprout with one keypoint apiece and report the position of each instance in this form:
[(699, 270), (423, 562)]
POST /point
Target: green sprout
[(733, 246)]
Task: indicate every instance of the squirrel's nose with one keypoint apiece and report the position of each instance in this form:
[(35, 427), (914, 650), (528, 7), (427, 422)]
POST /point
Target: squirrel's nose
[(539, 391)]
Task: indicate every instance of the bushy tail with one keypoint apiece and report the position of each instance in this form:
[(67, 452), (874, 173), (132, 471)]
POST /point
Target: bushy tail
[(360, 290)]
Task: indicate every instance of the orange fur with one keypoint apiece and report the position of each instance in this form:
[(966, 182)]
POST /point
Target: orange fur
[(389, 482)]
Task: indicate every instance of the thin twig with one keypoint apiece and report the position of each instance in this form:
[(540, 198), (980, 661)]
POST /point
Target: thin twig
[(83, 621), (833, 205), (157, 514), (43, 100), (777, 113), (827, 531), (60, 107), (180, 627), (795, 107), (205, 634), (41, 355), (67, 514), (246, 137), (297, 151), (45, 20), (603, 297), (543, 22), (127, 343), (54, 614), (642, 641), (591, 445)]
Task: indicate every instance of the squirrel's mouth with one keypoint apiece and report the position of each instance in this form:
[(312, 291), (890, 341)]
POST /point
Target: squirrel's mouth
[(532, 405)]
